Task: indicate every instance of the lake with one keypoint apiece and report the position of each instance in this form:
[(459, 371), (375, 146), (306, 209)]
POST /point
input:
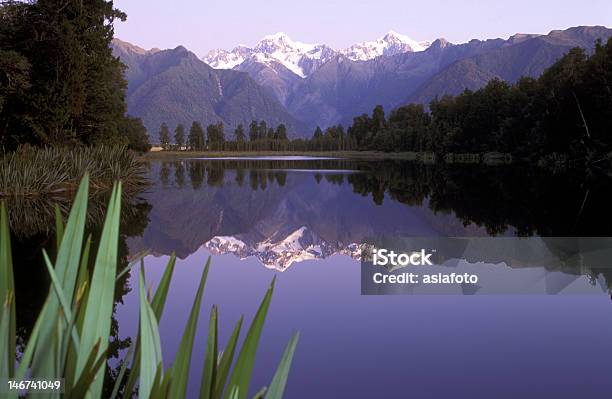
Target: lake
[(303, 219)]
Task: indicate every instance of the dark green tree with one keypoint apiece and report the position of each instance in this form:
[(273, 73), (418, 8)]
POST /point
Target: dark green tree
[(75, 90), (253, 131), (136, 133), (281, 132), (164, 136), (179, 136), (196, 137)]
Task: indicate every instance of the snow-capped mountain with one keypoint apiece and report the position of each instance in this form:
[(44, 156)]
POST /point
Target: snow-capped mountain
[(223, 59), (303, 59), (280, 253), (390, 44), (300, 58)]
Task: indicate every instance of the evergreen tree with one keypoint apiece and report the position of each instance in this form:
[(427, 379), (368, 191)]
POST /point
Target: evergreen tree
[(196, 137), (164, 136), (253, 131), (262, 131), (281, 132), (136, 133), (75, 89), (179, 136), (239, 134), (215, 135)]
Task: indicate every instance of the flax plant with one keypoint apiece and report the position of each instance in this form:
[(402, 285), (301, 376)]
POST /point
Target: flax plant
[(70, 337)]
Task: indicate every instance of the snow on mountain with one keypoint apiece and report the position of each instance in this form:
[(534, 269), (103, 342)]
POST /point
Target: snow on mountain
[(300, 58), (279, 254), (391, 44), (223, 59), (303, 59)]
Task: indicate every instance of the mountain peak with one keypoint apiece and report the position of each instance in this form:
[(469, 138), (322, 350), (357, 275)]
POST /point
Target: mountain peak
[(277, 37), (390, 44)]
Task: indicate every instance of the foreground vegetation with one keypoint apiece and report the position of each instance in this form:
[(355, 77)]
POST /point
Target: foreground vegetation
[(70, 337), (56, 171)]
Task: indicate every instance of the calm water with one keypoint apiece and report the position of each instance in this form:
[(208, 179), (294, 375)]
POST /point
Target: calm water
[(299, 219)]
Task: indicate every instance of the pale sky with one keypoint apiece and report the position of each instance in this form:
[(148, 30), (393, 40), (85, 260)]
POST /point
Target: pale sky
[(202, 25)]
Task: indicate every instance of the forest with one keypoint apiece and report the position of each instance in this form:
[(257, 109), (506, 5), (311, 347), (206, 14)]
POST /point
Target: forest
[(563, 116), (59, 82)]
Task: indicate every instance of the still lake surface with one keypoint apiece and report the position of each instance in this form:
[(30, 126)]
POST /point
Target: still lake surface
[(301, 219)]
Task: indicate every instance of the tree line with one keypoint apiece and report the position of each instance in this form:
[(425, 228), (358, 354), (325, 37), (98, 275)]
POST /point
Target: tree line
[(564, 114), (567, 111), (59, 81), (259, 137)]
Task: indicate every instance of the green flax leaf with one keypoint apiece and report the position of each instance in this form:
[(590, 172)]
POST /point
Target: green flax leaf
[(180, 368), (277, 387), (241, 375), (209, 374)]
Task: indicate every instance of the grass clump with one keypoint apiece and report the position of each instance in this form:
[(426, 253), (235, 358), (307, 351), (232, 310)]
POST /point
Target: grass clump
[(70, 337), (56, 171)]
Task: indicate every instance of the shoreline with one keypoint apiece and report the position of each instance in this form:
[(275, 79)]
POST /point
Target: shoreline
[(246, 154)]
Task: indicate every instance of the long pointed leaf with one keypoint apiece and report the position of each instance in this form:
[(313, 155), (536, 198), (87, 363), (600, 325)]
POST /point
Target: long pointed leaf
[(65, 308), (126, 360), (277, 387), (100, 299), (66, 269), (150, 346), (180, 368), (158, 303), (59, 227), (7, 289), (88, 377), (226, 360), (241, 375), (6, 360), (209, 375)]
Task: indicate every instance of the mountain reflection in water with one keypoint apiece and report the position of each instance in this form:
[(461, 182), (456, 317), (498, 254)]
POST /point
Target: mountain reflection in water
[(285, 211), (307, 217)]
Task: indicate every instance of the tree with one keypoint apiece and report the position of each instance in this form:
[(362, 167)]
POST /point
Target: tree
[(136, 134), (196, 137), (253, 131), (239, 133), (179, 136), (43, 40), (164, 136), (239, 136), (76, 89), (215, 135), (281, 132), (262, 131)]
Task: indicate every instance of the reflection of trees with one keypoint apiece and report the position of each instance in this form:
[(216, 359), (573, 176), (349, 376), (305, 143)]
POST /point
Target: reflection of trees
[(179, 174), (215, 175), (530, 202), (240, 176), (196, 174), (164, 173), (335, 179)]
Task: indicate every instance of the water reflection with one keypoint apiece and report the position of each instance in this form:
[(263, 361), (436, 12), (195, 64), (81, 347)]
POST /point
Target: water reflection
[(288, 214), (285, 211)]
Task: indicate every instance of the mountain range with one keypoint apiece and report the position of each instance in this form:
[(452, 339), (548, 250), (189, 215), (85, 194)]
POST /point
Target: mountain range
[(305, 85)]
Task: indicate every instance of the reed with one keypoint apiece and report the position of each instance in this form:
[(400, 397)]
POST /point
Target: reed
[(70, 337), (56, 171)]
